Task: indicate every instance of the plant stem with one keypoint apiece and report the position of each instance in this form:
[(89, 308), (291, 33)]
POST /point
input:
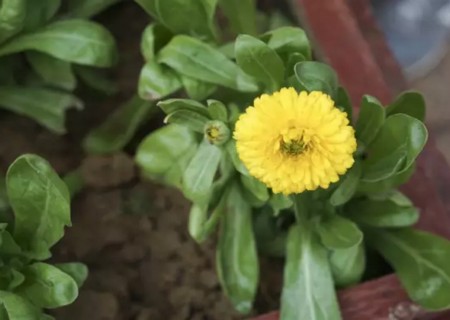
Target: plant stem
[(301, 208)]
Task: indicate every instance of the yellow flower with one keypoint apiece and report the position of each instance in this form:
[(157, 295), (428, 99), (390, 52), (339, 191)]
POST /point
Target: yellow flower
[(295, 141)]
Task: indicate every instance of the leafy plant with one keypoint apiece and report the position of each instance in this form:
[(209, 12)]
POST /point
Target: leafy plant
[(322, 232), (40, 204), (44, 48)]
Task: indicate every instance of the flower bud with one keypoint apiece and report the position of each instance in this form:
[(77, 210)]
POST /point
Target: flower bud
[(217, 132)]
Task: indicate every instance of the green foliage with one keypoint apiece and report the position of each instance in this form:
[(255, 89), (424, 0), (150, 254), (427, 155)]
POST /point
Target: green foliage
[(55, 41), (322, 234), (39, 200)]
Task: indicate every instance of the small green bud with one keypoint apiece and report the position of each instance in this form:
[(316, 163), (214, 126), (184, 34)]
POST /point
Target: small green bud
[(217, 132)]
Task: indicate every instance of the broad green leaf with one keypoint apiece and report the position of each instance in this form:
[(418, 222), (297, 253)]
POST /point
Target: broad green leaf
[(41, 204), (347, 188), (85, 9), (197, 89), (241, 15), (348, 265), (370, 120), (288, 40), (52, 70), (199, 174), (293, 59), (47, 286), (279, 201), (165, 153), (237, 259), (46, 106), (421, 261), (410, 103), (395, 148), (39, 13), (260, 61), (385, 213), (157, 81), (193, 17), (232, 152), (96, 79), (119, 127), (337, 232), (77, 41), (78, 271), (173, 105), (308, 288), (198, 60), (154, 37), (386, 184), (217, 110), (8, 245), (17, 308), (344, 103), (190, 119), (256, 187), (12, 16), (200, 224), (270, 238), (317, 76)]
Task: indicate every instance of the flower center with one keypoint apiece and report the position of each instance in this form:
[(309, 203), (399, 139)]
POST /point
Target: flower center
[(293, 141)]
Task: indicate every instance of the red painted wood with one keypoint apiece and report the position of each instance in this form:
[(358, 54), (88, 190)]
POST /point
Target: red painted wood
[(346, 36)]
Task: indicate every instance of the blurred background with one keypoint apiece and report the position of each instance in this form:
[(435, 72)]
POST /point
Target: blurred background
[(417, 31)]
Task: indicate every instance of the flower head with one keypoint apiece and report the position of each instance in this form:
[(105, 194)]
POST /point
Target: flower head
[(295, 141)]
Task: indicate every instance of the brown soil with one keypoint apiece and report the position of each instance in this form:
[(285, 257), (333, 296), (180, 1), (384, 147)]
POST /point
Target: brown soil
[(131, 234)]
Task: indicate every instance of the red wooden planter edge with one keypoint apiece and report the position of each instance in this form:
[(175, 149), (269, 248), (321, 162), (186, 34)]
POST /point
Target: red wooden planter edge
[(347, 37)]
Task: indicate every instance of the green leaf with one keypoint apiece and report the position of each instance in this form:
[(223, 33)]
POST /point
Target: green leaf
[(217, 110), (385, 213), (119, 127), (199, 174), (347, 188), (411, 103), (344, 103), (41, 204), (173, 105), (241, 15), (308, 288), (395, 148), (52, 70), (420, 261), (237, 259), (85, 9), (39, 13), (194, 17), (293, 59), (47, 286), (17, 308), (165, 153), (157, 81), (154, 37), (96, 79), (45, 106), (78, 271), (270, 237), (317, 76), (189, 119), (256, 187), (8, 245), (198, 60), (77, 41), (288, 40), (260, 61), (279, 201), (337, 232), (12, 16), (348, 265), (370, 121), (232, 152), (196, 89), (200, 225)]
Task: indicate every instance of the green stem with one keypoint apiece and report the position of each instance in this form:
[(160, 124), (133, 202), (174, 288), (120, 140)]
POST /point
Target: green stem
[(301, 209)]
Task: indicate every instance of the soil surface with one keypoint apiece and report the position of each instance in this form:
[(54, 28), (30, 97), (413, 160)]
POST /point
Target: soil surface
[(132, 234)]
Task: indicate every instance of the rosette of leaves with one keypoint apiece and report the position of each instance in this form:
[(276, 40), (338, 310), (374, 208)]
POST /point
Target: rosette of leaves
[(45, 46), (38, 210), (323, 235)]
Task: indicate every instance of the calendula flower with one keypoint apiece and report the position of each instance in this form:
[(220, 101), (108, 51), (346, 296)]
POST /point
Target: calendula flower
[(295, 141)]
